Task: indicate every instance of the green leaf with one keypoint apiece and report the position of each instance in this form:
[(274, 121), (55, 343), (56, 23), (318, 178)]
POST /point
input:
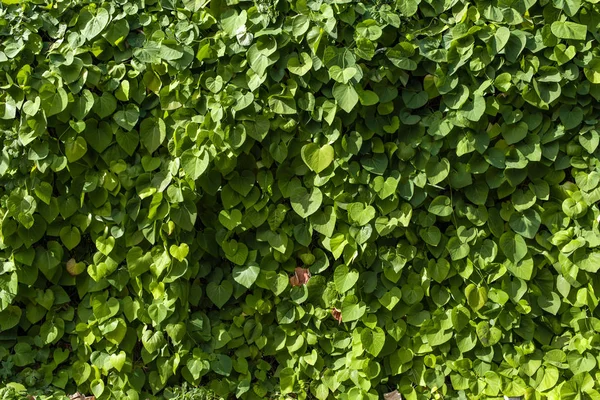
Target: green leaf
[(514, 133), (219, 293), (441, 206), (369, 29), (345, 96), (569, 30), (306, 203), (501, 38), (360, 214), (287, 380), (513, 246), (97, 387), (317, 158), (127, 118), (105, 244), (523, 269), (343, 75), (414, 100), (222, 364), (194, 163), (179, 252), (43, 191), (391, 298), (10, 317), (246, 276), (117, 32), (300, 65), (94, 26), (476, 296), (236, 252), (138, 261), (54, 102), (344, 278), (105, 105), (352, 308), (128, 141), (550, 302), (324, 221), (580, 363), (488, 335), (549, 380), (373, 340), (592, 70), (152, 133), (70, 237), (75, 149), (526, 223), (474, 111), (437, 171), (153, 341), (408, 8), (282, 104), (230, 219)]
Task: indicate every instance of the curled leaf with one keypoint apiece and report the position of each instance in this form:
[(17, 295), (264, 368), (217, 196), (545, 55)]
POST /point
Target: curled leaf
[(244, 37), (395, 395), (79, 396), (337, 314), (300, 277)]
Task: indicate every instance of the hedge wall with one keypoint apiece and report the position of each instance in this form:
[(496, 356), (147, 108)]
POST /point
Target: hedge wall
[(300, 199)]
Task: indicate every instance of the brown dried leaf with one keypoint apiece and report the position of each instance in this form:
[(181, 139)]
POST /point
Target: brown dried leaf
[(79, 396), (300, 277), (337, 314), (74, 268), (395, 395)]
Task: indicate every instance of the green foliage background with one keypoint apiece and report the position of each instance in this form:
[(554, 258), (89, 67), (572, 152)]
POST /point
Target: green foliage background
[(168, 164)]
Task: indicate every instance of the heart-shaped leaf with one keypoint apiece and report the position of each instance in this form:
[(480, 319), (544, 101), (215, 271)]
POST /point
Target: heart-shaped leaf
[(230, 218), (246, 275), (306, 203), (10, 317), (344, 278), (360, 213), (242, 183), (94, 24), (138, 261), (219, 293), (97, 387), (345, 96), (391, 298), (75, 148), (300, 65), (373, 340), (152, 133), (317, 158), (75, 268), (476, 296), (235, 251), (352, 308), (105, 244), (70, 237), (128, 117), (118, 360), (179, 252)]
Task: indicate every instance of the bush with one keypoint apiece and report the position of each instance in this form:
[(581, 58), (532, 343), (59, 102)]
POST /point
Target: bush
[(300, 199)]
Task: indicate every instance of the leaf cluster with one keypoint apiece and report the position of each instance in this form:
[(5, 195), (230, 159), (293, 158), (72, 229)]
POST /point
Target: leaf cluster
[(323, 199)]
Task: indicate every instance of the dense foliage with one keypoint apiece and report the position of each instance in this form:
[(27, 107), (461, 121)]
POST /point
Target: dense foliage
[(300, 199)]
